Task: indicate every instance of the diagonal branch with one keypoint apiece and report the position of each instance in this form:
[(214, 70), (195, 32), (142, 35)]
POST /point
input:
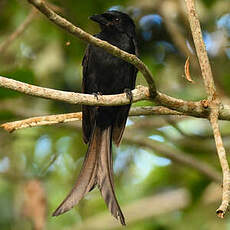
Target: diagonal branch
[(5, 44), (66, 25), (201, 50), (174, 155), (187, 108), (213, 101), (164, 150)]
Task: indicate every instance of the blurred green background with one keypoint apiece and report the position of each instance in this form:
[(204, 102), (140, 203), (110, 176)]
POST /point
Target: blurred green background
[(38, 166)]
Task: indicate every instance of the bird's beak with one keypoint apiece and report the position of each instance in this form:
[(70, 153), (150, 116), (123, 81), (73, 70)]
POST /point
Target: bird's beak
[(99, 18)]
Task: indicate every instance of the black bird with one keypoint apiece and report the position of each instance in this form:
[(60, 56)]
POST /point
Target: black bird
[(105, 74)]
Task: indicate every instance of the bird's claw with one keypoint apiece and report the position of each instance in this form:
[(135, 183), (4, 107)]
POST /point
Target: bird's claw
[(97, 94), (129, 94)]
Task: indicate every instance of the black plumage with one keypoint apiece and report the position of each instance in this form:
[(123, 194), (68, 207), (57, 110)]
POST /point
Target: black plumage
[(105, 74)]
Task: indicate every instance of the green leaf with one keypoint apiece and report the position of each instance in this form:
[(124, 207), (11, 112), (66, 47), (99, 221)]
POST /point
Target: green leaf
[(209, 3)]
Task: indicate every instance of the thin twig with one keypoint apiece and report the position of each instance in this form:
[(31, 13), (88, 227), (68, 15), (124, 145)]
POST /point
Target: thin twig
[(213, 102), (67, 26), (42, 120), (174, 155), (224, 164), (200, 49), (178, 38), (151, 92), (70, 117), (19, 31)]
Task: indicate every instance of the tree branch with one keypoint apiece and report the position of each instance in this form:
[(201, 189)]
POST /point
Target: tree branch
[(66, 25), (70, 117), (5, 44), (200, 49), (40, 121), (140, 93), (180, 107), (213, 101), (165, 150), (223, 162), (175, 155), (198, 109)]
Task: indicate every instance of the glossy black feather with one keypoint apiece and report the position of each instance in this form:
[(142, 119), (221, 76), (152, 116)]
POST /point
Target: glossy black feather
[(105, 74)]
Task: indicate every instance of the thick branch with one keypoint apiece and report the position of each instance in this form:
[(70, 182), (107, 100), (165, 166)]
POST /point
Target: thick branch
[(197, 109), (66, 25), (194, 108), (140, 93)]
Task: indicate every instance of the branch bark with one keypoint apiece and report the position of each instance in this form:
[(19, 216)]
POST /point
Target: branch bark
[(167, 151), (213, 102), (70, 117), (67, 26), (41, 121), (201, 50), (180, 107), (223, 162), (141, 93), (213, 112)]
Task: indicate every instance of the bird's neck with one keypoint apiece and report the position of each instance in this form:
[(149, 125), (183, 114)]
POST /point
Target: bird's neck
[(113, 35)]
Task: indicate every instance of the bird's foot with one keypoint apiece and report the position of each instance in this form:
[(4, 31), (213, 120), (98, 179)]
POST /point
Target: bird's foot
[(129, 94), (97, 94)]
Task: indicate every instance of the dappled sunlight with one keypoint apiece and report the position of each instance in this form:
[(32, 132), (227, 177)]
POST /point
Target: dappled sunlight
[(158, 155)]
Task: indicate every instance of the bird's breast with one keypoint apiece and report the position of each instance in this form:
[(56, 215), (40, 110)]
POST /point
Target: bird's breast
[(108, 73)]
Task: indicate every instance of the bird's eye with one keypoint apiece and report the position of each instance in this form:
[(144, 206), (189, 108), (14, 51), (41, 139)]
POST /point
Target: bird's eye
[(117, 19)]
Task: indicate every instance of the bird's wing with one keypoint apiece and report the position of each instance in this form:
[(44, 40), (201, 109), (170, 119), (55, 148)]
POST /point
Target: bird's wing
[(87, 111), (119, 124), (134, 40)]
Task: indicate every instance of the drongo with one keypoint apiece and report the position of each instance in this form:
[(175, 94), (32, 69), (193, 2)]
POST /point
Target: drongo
[(104, 74)]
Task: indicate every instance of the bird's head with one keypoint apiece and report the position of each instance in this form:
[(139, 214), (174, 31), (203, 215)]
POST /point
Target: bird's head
[(115, 20)]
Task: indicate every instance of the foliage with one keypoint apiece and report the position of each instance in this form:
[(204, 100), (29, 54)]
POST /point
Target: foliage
[(47, 56)]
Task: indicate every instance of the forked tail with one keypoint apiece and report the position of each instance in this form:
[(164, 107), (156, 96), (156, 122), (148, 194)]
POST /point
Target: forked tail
[(97, 169)]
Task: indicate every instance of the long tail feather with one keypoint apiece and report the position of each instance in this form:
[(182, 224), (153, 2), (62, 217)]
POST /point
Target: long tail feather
[(105, 176), (96, 169), (86, 179)]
